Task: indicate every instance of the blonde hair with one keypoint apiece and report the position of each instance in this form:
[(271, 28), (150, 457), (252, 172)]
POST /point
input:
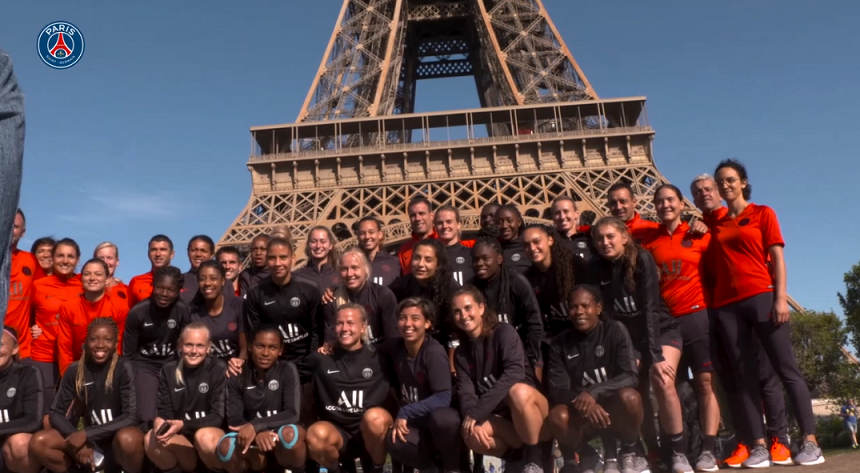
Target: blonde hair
[(282, 231), (630, 257), (80, 378), (341, 296), (362, 312), (103, 245), (333, 255), (180, 381)]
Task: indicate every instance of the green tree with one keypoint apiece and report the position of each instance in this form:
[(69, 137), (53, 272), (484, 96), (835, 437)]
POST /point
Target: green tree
[(850, 303), (818, 338)]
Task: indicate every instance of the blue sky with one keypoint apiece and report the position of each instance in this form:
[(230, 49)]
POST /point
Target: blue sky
[(148, 133)]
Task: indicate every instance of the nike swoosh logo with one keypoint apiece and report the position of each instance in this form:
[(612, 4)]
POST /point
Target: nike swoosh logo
[(176, 390), (91, 382), (603, 283), (570, 357), (147, 324), (268, 303), (250, 387), (332, 372)]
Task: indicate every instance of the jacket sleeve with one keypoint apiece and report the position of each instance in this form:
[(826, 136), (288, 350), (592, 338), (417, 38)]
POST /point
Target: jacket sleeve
[(466, 395), (235, 401), (509, 348), (62, 401), (527, 307), (217, 403), (128, 400), (120, 315), (316, 311), (30, 390), (625, 373), (130, 346), (291, 390), (64, 338), (164, 408), (560, 389), (648, 297), (440, 384), (251, 309), (388, 312), (328, 322)]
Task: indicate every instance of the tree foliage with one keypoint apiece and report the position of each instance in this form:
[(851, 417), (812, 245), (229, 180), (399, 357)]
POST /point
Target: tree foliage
[(818, 338), (850, 303)]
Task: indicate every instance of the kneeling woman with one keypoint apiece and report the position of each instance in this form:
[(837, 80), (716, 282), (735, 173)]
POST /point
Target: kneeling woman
[(351, 388), (263, 411), (21, 409), (421, 369), (592, 383), (193, 385), (99, 389), (500, 407)]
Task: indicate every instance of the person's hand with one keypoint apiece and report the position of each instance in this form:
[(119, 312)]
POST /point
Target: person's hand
[(697, 228), (467, 425), (35, 331), (780, 312), (266, 441), (76, 441), (325, 349), (245, 436), (328, 295), (598, 417), (583, 403), (481, 436), (400, 430), (234, 366), (664, 372), (84, 457), (175, 428)]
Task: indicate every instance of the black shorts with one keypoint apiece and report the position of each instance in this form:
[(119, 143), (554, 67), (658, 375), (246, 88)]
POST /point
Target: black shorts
[(307, 409), (353, 443), (695, 331), (672, 338)]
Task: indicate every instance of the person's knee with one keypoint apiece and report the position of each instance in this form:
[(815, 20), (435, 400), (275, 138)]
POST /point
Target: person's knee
[(207, 439), (39, 442), (559, 419), (520, 394), (704, 384), (319, 437), (17, 448), (376, 421), (630, 400)]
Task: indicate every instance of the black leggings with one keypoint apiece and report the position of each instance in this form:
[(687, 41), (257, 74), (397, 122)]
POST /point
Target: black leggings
[(738, 324), (146, 387)]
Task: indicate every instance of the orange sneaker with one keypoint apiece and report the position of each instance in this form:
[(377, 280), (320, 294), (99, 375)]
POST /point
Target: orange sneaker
[(779, 453), (739, 456)]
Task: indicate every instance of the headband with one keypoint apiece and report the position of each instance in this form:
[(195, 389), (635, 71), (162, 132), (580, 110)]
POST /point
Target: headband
[(11, 335)]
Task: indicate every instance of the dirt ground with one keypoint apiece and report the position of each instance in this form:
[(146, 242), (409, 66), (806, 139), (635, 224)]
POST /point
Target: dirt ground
[(840, 461)]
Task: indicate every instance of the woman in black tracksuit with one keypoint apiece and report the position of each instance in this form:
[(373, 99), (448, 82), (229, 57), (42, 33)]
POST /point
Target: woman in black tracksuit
[(351, 389), (495, 389), (263, 406), (592, 378), (99, 391), (22, 406), (151, 332), (510, 225), (191, 403), (420, 369)]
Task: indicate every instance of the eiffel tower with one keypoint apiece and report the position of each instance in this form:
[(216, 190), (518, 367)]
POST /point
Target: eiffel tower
[(357, 147)]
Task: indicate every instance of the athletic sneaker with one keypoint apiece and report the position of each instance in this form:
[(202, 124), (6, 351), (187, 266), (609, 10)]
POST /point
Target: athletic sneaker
[(532, 468), (680, 464), (738, 457), (611, 466), (632, 463), (706, 462), (759, 458), (590, 463), (780, 453), (809, 454)]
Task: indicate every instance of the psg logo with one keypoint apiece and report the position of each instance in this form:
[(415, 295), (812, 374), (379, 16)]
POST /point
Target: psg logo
[(171, 323), (295, 302), (686, 243), (60, 45), (204, 388), (598, 352), (515, 257), (367, 372), (461, 260), (11, 392), (274, 385)]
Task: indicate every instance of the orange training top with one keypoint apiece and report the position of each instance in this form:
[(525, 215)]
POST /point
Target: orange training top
[(639, 227), (119, 292), (738, 257), (405, 252), (76, 315), (25, 272), (139, 288), (679, 259), (49, 295)]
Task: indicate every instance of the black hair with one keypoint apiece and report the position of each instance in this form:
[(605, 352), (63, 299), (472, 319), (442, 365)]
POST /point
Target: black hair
[(563, 261), (228, 250), (443, 280), (80, 391), (671, 187), (590, 288), (99, 261), (249, 371), (619, 186), (506, 305), (422, 304), (213, 264), (67, 242), (44, 241), (168, 272), (742, 174), (12, 332), (204, 239), (369, 218), (419, 199), (516, 211), (161, 238)]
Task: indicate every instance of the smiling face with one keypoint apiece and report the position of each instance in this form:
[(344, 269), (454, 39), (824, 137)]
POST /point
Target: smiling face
[(583, 310), (64, 259), (210, 282), (160, 254), (565, 216), (348, 328), (447, 226), (353, 272), (486, 261), (193, 347), (509, 224), (101, 343), (468, 315), (730, 184), (668, 204), (94, 278), (43, 256), (421, 218), (231, 265), (198, 252), (8, 350), (109, 256), (369, 236), (609, 241), (424, 262), (621, 204), (538, 247), (165, 291), (319, 244), (412, 324)]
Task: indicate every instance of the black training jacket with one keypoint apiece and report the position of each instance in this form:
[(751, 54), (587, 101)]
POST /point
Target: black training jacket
[(267, 400), (199, 401), (21, 402)]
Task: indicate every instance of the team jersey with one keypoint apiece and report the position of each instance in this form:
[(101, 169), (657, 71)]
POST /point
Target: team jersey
[(105, 410), (325, 277), (224, 328), (119, 293), (738, 256), (385, 268), (579, 244), (267, 400), (424, 382), (599, 362), (460, 258), (515, 255), (404, 253), (295, 309), (639, 227), (190, 288), (523, 310), (642, 311), (554, 309), (151, 333), (50, 293), (25, 272), (139, 288), (347, 383), (21, 401), (408, 286), (199, 401), (487, 368), (75, 318), (712, 218), (251, 276), (680, 262), (381, 307)]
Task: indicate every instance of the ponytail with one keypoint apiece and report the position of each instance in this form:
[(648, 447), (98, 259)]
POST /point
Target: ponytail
[(80, 375), (180, 381)]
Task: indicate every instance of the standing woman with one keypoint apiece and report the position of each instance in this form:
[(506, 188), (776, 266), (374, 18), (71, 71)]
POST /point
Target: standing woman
[(351, 388), (100, 387), (50, 293), (191, 401), (22, 406), (420, 367), (678, 254), (76, 314), (446, 223), (510, 224), (109, 253), (750, 297), (263, 406), (500, 408), (151, 332), (41, 250), (222, 314), (320, 266), (630, 284), (371, 240)]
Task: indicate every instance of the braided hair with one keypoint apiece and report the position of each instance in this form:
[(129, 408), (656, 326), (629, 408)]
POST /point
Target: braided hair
[(563, 261), (80, 379), (168, 272), (505, 304)]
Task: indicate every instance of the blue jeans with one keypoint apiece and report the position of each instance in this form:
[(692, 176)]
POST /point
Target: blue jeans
[(11, 163)]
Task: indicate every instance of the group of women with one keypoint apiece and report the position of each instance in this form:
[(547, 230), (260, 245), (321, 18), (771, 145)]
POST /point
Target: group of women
[(497, 345)]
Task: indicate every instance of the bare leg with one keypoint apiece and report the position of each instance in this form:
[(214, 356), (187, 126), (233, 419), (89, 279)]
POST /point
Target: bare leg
[(529, 410), (709, 408), (128, 449), (206, 441), (46, 449), (295, 456), (324, 444), (16, 454), (178, 451), (502, 433)]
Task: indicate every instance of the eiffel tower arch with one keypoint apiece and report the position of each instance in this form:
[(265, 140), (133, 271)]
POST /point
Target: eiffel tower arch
[(357, 148)]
